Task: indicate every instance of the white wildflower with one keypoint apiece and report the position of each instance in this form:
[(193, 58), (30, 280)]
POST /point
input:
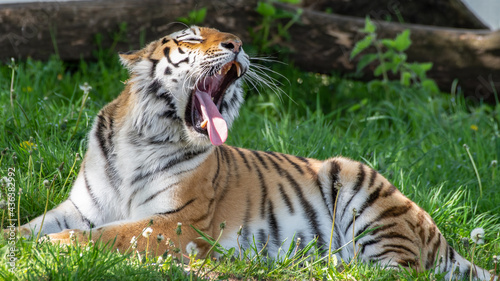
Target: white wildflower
[(147, 232), (85, 87), (6, 180), (477, 235), (3, 204), (192, 249), (133, 241), (160, 260), (160, 238), (178, 229)]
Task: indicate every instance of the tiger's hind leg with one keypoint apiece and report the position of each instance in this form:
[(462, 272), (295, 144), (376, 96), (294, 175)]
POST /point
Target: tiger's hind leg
[(131, 235), (390, 229)]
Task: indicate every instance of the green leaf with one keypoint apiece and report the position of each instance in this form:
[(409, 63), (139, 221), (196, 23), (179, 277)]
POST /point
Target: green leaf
[(420, 69), (383, 67), (405, 78), (361, 45), (426, 66), (402, 41), (375, 85), (369, 26), (265, 9), (230, 252), (430, 85), (205, 237), (290, 1), (200, 15), (183, 20), (366, 60), (389, 43)]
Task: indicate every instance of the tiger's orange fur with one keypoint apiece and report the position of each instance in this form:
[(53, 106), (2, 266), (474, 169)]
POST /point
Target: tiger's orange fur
[(150, 163)]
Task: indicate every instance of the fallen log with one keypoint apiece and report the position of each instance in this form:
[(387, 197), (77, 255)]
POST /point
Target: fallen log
[(320, 43), (472, 57)]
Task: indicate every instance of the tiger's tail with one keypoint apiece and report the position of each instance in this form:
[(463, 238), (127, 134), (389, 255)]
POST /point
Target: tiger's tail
[(391, 229), (460, 267)]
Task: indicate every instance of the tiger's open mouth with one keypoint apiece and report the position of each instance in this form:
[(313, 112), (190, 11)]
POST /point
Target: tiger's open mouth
[(203, 111)]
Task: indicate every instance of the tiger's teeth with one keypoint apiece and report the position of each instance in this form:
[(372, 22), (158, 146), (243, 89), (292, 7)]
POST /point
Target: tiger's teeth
[(204, 124), (238, 69), (219, 72)]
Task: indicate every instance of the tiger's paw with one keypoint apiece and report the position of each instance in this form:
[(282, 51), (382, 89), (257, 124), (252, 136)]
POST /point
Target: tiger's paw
[(66, 237), (12, 232)]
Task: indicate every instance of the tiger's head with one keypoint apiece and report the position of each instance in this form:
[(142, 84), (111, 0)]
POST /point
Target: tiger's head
[(186, 86)]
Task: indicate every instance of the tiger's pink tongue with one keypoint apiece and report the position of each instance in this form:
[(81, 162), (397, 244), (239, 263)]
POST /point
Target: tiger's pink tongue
[(216, 126)]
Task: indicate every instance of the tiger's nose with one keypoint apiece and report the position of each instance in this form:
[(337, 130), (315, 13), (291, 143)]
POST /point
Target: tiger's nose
[(232, 45)]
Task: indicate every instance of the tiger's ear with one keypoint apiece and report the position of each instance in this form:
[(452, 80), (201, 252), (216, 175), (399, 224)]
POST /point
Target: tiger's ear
[(130, 58)]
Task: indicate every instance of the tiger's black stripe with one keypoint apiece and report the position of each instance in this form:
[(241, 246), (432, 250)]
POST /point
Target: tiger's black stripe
[(217, 171), (226, 155), (153, 67), (224, 106), (243, 157), (389, 191), (183, 158), (206, 214), (263, 189), (106, 143), (295, 165), (153, 196), (394, 235), (257, 155), (262, 237), (246, 220), (371, 199), (170, 114), (306, 205), (334, 177), (364, 245), (95, 202), (308, 165), (273, 224), (451, 254), (58, 223), (432, 232), (373, 176), (357, 186), (66, 226), (286, 199), (431, 256), (178, 209), (274, 155), (84, 218), (168, 71), (385, 252), (395, 211), (166, 51), (375, 231), (154, 87), (402, 247)]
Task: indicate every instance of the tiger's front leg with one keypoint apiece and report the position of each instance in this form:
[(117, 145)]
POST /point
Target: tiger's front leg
[(156, 235)]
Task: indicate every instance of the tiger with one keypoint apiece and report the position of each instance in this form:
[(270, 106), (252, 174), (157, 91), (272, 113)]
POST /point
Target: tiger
[(156, 159)]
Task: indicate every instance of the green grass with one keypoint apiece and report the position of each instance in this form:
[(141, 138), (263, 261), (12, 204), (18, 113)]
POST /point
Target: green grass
[(414, 138)]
